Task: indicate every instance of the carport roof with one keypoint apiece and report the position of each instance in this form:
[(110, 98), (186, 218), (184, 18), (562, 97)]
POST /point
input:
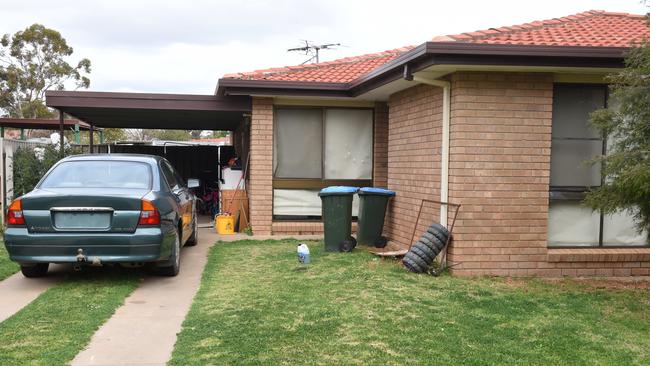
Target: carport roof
[(146, 110), (40, 123)]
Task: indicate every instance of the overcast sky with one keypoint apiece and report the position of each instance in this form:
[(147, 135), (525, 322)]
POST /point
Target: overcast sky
[(185, 46)]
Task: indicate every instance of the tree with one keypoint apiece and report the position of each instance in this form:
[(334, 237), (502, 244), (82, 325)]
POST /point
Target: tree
[(33, 61), (153, 134), (626, 124)]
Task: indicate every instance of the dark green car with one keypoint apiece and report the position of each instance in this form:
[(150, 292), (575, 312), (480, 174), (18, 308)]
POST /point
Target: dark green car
[(103, 208)]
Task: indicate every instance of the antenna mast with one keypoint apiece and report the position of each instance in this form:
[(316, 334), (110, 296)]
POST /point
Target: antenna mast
[(313, 50)]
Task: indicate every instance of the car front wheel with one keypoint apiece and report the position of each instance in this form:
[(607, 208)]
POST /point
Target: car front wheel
[(34, 270)]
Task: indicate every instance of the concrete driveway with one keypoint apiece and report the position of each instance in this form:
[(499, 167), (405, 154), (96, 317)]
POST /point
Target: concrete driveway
[(143, 331)]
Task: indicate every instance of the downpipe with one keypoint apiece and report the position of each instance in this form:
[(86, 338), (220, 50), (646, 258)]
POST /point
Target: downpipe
[(444, 154)]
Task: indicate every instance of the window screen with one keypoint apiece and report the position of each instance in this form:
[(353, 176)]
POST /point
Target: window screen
[(574, 140), (348, 144), (298, 137), (315, 148)]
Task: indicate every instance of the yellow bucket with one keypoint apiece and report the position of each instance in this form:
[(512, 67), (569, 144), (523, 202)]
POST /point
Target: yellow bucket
[(225, 224)]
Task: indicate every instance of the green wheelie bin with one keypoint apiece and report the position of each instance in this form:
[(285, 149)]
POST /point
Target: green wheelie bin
[(372, 210), (337, 217)]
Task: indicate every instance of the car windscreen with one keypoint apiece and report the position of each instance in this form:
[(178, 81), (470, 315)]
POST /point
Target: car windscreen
[(99, 174)]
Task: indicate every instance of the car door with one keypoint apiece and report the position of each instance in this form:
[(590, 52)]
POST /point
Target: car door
[(181, 195)]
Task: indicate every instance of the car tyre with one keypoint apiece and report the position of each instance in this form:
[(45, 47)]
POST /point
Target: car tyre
[(173, 265), (423, 252), (411, 266), (417, 260), (34, 270), (440, 231)]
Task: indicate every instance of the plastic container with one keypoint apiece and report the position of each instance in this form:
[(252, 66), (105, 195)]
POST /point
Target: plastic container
[(372, 210), (225, 224), (303, 254), (337, 217)]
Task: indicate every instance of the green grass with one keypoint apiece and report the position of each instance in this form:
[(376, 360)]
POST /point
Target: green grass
[(59, 323), (7, 267), (254, 307)]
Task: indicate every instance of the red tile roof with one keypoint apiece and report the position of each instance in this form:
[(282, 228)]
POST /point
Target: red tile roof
[(595, 28), (592, 28), (338, 71)]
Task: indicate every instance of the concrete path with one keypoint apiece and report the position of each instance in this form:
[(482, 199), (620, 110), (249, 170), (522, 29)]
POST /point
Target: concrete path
[(143, 331), (16, 292)]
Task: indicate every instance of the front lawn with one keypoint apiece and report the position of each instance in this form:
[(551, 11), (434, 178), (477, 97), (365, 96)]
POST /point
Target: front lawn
[(60, 322), (255, 307), (7, 267)]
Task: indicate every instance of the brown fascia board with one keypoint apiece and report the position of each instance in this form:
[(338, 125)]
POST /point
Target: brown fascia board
[(435, 53), (280, 87), (71, 99), (41, 123)]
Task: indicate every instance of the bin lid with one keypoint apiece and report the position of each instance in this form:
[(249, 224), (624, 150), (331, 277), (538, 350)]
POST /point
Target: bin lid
[(379, 191), (338, 190)]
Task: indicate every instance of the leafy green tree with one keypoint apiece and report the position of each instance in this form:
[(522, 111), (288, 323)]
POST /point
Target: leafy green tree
[(33, 61), (626, 124), (29, 166)]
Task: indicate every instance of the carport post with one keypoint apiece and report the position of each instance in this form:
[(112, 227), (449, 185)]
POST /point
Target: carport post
[(77, 138), (61, 146), (91, 132)]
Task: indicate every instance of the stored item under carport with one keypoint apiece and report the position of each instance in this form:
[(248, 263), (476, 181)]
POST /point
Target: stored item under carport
[(372, 210), (225, 224), (337, 218)]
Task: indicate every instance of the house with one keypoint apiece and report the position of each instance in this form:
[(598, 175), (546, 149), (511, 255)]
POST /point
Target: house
[(495, 120)]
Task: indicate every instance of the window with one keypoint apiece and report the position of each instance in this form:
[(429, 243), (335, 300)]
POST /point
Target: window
[(170, 176), (574, 142), (99, 174), (315, 148)]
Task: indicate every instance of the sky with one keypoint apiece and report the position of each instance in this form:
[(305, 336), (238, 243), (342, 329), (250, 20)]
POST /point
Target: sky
[(185, 46)]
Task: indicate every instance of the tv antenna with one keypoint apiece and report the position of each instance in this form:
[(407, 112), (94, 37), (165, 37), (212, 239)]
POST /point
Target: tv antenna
[(311, 49)]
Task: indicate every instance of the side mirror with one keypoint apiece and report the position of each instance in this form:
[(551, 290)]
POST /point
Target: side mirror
[(193, 183)]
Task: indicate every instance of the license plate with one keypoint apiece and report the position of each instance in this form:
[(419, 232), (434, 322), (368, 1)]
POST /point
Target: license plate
[(82, 220)]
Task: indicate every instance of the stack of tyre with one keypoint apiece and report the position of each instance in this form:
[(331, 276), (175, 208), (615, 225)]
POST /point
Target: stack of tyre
[(426, 249)]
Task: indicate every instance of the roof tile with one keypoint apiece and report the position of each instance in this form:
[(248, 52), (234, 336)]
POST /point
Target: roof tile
[(593, 28)]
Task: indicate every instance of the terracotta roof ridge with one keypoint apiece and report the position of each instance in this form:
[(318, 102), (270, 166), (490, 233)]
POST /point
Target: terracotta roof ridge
[(530, 26), (320, 65)]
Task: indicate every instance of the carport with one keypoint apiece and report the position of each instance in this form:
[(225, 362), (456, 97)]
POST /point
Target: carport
[(158, 111), (146, 110)]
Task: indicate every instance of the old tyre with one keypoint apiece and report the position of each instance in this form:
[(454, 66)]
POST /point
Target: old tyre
[(423, 252), (173, 265), (432, 247), (436, 228), (417, 260), (34, 270), (428, 236), (438, 243), (412, 266)]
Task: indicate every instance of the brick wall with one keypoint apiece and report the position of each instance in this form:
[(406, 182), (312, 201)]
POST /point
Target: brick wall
[(260, 184), (414, 141), (380, 147), (500, 145)]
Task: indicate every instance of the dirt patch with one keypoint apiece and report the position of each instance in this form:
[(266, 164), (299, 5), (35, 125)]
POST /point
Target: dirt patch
[(623, 283)]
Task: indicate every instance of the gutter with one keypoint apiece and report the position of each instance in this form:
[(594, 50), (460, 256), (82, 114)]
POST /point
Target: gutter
[(444, 154), (435, 53)]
